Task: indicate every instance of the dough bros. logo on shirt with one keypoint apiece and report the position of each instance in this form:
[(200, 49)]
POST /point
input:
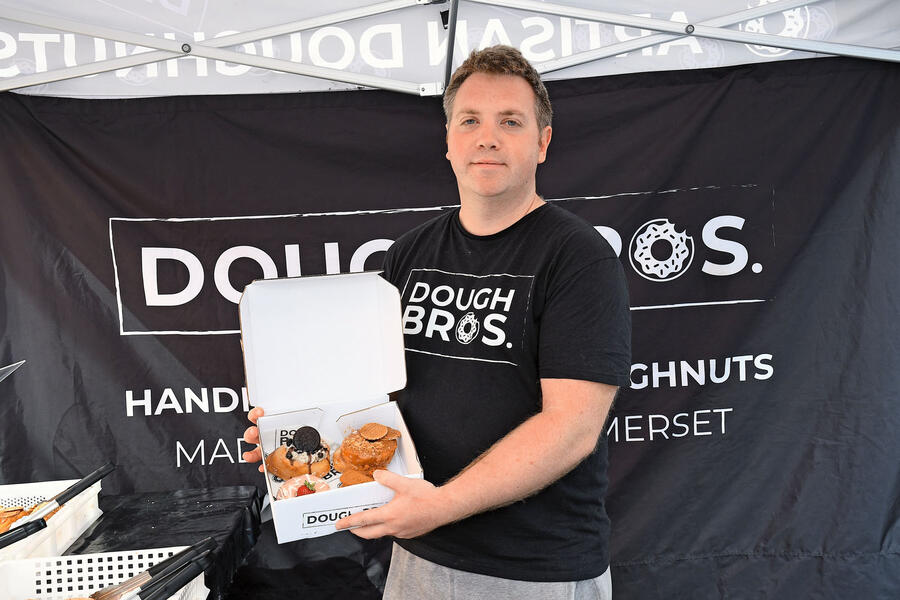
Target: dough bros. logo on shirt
[(470, 317)]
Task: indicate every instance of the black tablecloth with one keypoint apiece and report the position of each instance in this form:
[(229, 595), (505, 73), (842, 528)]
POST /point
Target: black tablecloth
[(230, 515), (339, 566)]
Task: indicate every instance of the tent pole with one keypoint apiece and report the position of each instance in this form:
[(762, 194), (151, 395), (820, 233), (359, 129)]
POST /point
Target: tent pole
[(451, 41), (250, 60), (776, 41)]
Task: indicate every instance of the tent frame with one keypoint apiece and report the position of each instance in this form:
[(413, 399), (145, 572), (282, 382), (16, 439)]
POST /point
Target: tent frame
[(712, 29), (213, 49), (667, 31)]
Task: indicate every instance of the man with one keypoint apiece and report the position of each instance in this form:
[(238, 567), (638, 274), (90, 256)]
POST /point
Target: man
[(517, 332)]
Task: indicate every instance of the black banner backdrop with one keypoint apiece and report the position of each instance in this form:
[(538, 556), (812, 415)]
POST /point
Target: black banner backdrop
[(755, 209)]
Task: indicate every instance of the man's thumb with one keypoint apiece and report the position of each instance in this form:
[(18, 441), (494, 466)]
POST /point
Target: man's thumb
[(389, 479)]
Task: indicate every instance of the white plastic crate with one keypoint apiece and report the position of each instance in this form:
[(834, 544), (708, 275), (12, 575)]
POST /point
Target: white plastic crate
[(64, 577), (63, 528)]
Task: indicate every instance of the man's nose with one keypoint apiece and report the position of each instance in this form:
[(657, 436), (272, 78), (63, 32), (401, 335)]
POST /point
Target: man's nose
[(488, 138)]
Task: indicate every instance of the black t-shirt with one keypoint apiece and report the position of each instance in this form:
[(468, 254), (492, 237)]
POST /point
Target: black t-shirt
[(485, 318)]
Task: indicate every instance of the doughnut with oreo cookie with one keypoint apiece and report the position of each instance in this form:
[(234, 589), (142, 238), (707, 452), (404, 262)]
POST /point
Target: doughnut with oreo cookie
[(306, 454)]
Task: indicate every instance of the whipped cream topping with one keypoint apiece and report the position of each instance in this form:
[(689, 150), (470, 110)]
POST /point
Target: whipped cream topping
[(303, 457)]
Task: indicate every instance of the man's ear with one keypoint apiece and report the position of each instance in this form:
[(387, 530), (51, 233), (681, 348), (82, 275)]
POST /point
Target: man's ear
[(544, 143)]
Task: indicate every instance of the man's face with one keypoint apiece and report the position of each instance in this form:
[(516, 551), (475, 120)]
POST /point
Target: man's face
[(494, 143)]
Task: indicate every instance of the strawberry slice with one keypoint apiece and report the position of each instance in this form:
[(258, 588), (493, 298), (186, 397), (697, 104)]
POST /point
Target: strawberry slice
[(308, 487)]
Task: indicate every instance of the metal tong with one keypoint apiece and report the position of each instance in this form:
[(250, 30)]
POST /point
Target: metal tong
[(157, 573), (67, 494), (161, 588)]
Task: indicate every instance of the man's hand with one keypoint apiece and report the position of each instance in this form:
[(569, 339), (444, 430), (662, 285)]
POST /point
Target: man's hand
[(251, 436), (417, 508)]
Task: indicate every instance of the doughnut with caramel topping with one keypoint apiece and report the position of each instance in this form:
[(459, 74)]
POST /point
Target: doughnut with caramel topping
[(367, 449)]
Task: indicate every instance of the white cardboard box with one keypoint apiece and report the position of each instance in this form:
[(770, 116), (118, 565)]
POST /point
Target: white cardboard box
[(64, 577), (325, 351), (62, 529)]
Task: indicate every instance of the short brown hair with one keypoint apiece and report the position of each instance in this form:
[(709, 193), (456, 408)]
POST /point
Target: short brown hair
[(501, 60)]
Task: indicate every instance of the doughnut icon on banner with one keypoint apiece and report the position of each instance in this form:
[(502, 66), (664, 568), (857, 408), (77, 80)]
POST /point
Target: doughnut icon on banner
[(659, 252), (467, 328), (793, 23)]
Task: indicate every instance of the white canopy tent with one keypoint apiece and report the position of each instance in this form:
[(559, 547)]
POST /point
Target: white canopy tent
[(121, 48)]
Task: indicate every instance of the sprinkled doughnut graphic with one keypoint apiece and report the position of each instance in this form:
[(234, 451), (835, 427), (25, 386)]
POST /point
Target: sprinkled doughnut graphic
[(681, 250), (467, 328)]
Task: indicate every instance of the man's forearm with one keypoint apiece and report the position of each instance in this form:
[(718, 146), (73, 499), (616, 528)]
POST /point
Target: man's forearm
[(533, 455), (527, 459)]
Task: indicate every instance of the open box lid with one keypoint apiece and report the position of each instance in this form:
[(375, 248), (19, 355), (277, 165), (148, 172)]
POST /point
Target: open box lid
[(311, 341)]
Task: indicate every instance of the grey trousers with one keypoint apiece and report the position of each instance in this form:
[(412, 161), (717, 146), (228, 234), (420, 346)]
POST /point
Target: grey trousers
[(414, 578)]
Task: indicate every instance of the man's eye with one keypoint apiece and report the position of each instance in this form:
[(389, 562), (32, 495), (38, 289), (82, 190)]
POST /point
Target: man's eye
[(511, 123), (469, 121)]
